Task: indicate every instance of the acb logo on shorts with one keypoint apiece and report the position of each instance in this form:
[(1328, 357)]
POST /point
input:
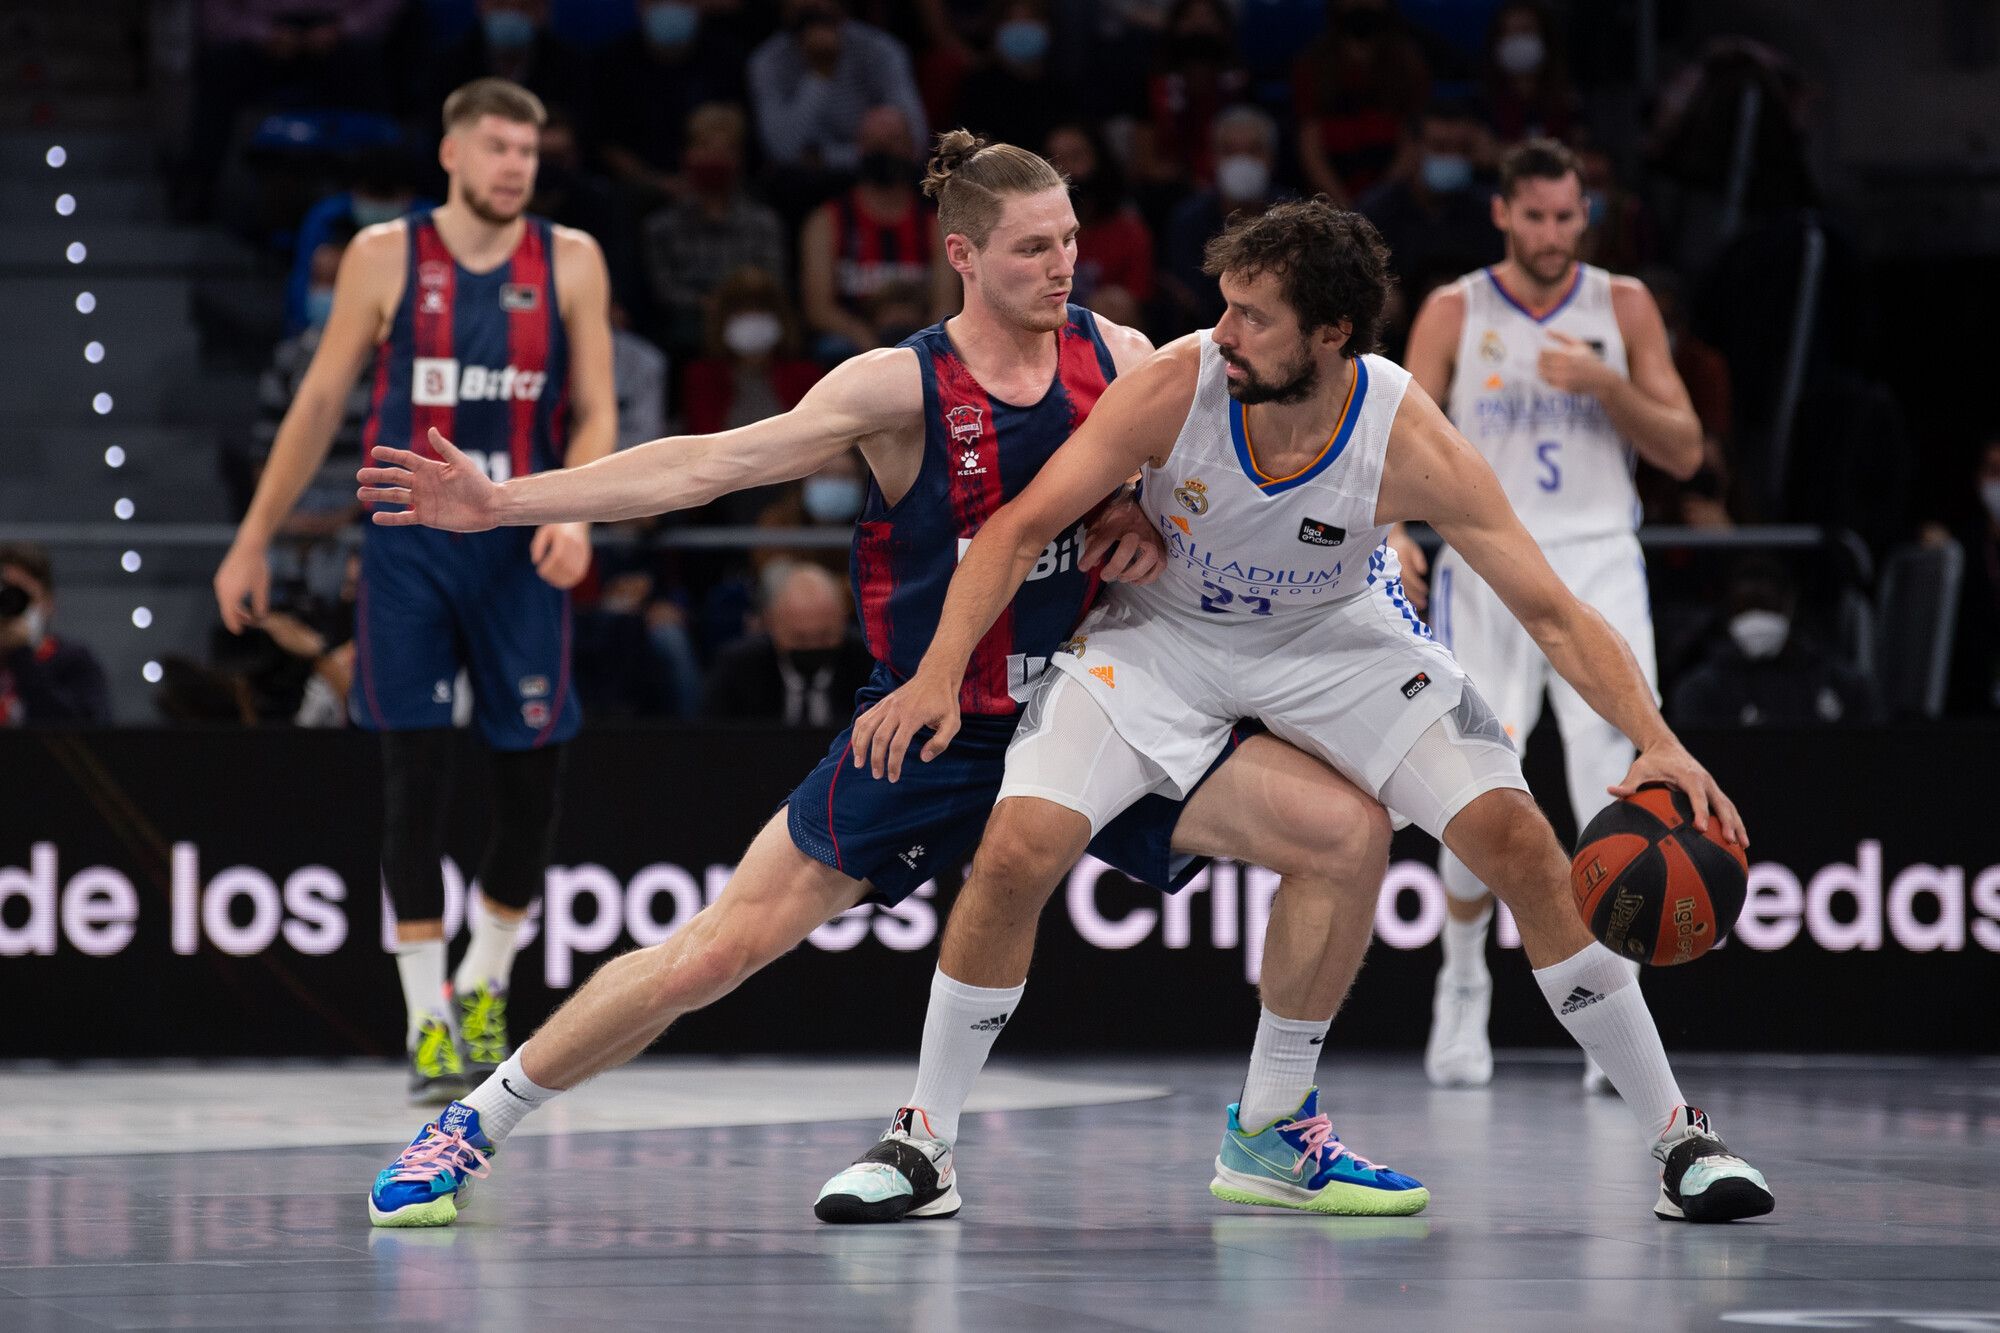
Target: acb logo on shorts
[(1416, 685)]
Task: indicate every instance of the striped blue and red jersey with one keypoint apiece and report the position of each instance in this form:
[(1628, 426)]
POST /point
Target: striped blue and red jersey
[(979, 453), (481, 356)]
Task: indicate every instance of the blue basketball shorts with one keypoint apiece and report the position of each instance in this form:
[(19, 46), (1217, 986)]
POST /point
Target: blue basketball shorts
[(431, 603), (897, 835)]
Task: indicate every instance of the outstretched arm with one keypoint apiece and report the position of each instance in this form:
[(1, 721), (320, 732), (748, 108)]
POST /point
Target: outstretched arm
[(1134, 422), (872, 394), (1433, 474)]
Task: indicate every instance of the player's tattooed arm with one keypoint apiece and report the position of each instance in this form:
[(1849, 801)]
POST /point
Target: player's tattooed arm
[(1432, 473), (874, 395), (1134, 423)]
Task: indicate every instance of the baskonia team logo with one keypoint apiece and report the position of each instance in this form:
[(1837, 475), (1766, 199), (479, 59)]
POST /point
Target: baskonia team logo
[(1193, 497)]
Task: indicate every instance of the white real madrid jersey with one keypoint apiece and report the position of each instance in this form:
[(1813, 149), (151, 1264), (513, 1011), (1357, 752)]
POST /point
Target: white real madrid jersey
[(1562, 464), (1241, 542)]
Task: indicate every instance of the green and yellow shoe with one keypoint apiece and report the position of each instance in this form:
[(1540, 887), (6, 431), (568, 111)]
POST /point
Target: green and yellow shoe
[(437, 1071), (1297, 1161), (482, 1028)]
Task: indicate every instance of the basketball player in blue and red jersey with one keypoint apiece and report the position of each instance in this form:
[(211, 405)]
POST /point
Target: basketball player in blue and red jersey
[(493, 326), (952, 423)]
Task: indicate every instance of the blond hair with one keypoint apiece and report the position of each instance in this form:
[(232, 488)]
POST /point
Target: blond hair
[(493, 97), (971, 179)]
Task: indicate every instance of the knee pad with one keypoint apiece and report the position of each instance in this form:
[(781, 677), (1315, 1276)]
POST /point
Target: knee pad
[(416, 794), (526, 803)]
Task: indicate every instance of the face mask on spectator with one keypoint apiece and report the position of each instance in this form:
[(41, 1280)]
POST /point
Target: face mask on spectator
[(671, 24), (1446, 173), (1242, 178), (1989, 494), (752, 333), (1022, 41), (509, 30), (1520, 53), (886, 169), (319, 305), (1760, 634), (368, 212), (832, 499)]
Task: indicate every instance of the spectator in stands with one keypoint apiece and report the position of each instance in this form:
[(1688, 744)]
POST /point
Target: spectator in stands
[(1114, 248), (1013, 96), (383, 188), (828, 499), (256, 54), (568, 192), (806, 665), (1621, 236), (639, 374), (1525, 81), (882, 231), (1352, 92), (1765, 671), (1974, 685), (712, 231), (1435, 212), (512, 40), (1196, 73), (1244, 140), (1702, 501), (685, 55), (899, 310), (42, 678), (812, 84), (752, 368)]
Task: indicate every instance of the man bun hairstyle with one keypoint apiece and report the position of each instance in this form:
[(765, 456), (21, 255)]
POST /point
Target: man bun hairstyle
[(1537, 159), (1331, 265), (971, 179), (493, 97)]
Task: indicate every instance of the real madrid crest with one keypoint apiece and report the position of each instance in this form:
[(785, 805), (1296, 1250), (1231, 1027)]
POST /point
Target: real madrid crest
[(1491, 347), (1193, 497)]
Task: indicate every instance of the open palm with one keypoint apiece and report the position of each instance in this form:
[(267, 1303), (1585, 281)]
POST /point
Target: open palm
[(448, 492)]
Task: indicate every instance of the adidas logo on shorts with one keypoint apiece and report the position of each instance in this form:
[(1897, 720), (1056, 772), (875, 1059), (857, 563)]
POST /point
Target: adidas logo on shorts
[(1580, 998)]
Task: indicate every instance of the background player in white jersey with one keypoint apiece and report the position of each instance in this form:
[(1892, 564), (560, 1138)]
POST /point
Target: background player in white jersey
[(1268, 445), (1558, 373)]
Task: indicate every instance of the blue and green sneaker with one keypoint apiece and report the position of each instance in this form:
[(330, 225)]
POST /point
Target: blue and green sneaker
[(425, 1185), (1297, 1161), (482, 1027)]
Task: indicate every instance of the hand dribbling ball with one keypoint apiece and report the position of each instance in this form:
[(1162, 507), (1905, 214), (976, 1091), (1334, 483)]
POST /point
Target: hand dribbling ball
[(1650, 886)]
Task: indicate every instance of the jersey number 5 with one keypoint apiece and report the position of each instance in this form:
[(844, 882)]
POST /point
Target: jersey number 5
[(1552, 473)]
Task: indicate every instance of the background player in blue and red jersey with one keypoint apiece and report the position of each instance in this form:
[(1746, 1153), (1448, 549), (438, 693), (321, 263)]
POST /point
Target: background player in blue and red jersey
[(493, 327), (953, 423)]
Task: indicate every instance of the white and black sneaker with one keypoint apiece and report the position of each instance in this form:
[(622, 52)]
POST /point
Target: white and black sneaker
[(908, 1173), (1700, 1179)]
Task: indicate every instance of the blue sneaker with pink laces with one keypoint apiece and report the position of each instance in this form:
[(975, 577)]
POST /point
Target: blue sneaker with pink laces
[(427, 1184), (1297, 1161)]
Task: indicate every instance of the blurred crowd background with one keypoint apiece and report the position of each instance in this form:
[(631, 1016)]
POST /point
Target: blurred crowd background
[(1805, 187)]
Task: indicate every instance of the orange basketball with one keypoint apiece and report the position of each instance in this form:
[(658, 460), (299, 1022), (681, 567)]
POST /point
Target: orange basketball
[(1650, 886)]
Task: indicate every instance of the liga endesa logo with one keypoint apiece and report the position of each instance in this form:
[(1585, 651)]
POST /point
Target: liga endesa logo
[(96, 910)]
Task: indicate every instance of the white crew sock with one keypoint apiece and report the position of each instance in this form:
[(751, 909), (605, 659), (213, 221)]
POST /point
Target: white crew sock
[(959, 1030), (489, 958), (505, 1098), (1465, 948), (1281, 1068), (1595, 994), (421, 966)]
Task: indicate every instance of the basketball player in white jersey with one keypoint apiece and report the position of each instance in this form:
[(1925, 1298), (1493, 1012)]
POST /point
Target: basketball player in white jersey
[(1275, 457), (1559, 374)]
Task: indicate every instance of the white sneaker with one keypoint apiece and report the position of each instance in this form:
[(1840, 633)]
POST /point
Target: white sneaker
[(1596, 1083), (1459, 1053), (908, 1173)]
